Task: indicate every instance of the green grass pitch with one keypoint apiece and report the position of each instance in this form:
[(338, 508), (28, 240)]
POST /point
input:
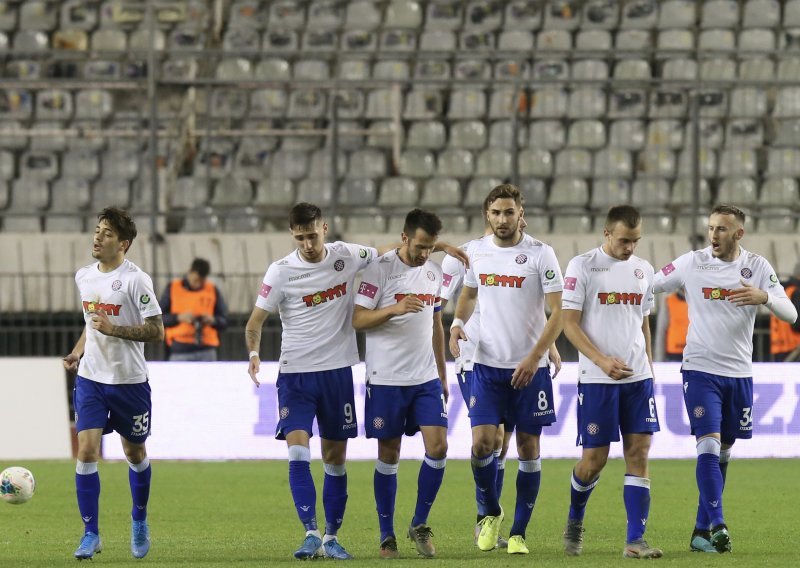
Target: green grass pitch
[(241, 514)]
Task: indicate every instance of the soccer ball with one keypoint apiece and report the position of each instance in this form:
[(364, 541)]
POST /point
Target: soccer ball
[(16, 485)]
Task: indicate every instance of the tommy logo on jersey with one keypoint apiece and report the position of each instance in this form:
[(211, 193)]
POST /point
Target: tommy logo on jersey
[(716, 293), (92, 307), (614, 298), (427, 299), (502, 280), (330, 294)]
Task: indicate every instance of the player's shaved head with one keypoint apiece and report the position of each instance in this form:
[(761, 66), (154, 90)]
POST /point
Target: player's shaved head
[(121, 223), (628, 215), (304, 214)]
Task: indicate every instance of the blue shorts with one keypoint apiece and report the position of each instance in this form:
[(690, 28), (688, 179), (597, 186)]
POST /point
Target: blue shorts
[(390, 411), (125, 409), (493, 400), (606, 410), (326, 395), (716, 404)]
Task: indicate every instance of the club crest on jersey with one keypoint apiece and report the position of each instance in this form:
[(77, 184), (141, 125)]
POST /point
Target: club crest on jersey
[(716, 293), (615, 298), (746, 273), (427, 299), (638, 273), (93, 307), (116, 285), (521, 259), (502, 280), (318, 298), (338, 266), (431, 276)]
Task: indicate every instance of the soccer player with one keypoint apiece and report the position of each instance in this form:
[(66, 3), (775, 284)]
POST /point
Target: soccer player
[(724, 285), (609, 288), (512, 276), (111, 389), (312, 290), (398, 305), (453, 280)]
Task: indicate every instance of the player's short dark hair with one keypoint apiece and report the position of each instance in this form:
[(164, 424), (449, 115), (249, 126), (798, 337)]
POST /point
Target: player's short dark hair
[(503, 191), (201, 266), (304, 214), (628, 215), (421, 219), (121, 222), (726, 209)]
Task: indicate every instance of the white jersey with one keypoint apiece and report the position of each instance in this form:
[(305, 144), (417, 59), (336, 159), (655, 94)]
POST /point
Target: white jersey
[(400, 351), (720, 337), (126, 295), (614, 296), (453, 272), (511, 283), (315, 303)]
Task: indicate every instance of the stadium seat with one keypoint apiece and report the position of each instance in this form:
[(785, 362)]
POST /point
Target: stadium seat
[(361, 15), (650, 194), (423, 104), (746, 133), (535, 162), (469, 135), (562, 15), (720, 14), (706, 162), (441, 192), (627, 134), (477, 190), (416, 164), (501, 134), (358, 193), (589, 134), (633, 69), (398, 192), (289, 164), (761, 14), (381, 134), (677, 14), (613, 163), (742, 191), (548, 102), (320, 165), (456, 163), (590, 70), (523, 15), (734, 162), (428, 135), (476, 41), (667, 133), (398, 41), (569, 193), (391, 70), (783, 163), (791, 14), (778, 220), (600, 14), (113, 191), (274, 193), (515, 40), (757, 69), (609, 192), (241, 220), (367, 164), (756, 40), (78, 15), (571, 224), (547, 134), (287, 15), (318, 191), (280, 41), (680, 69), (493, 162), (656, 162), (574, 162), (534, 192), (682, 191), (593, 40)]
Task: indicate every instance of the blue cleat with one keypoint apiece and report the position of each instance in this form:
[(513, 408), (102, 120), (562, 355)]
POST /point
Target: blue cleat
[(140, 539), (309, 549), (334, 550), (90, 543)]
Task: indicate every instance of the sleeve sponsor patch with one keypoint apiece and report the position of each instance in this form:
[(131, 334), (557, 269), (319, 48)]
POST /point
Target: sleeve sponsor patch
[(570, 282), (265, 290), (446, 279), (668, 269), (368, 290)]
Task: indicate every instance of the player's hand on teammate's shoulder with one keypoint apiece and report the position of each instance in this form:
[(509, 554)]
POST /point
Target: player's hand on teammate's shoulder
[(748, 295), (409, 304), (455, 252), (615, 368)]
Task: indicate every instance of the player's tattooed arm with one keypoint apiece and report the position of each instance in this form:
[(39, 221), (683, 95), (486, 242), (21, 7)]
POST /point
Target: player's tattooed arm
[(151, 330)]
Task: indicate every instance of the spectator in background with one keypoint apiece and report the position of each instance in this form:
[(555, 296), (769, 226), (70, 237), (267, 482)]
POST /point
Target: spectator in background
[(194, 314), (785, 337), (671, 327)]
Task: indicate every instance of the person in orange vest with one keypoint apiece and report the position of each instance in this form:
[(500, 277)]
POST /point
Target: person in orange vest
[(194, 314), (784, 337), (672, 325)]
